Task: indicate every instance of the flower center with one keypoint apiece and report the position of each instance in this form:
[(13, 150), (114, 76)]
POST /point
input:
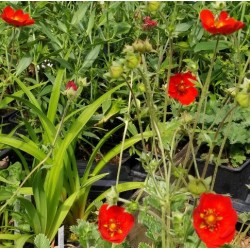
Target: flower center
[(113, 227), (210, 219), (218, 24), (182, 87)]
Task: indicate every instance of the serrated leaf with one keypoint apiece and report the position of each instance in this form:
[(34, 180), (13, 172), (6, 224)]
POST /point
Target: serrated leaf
[(41, 241)]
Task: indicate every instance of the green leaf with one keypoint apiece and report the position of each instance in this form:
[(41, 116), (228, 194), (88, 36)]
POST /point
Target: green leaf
[(117, 149), (40, 199), (19, 243), (122, 28), (80, 13), (29, 94), (29, 146), (53, 182), (23, 64), (41, 241), (32, 214), (210, 46), (182, 27), (19, 239), (91, 57), (55, 95), (61, 214), (19, 93), (91, 23)]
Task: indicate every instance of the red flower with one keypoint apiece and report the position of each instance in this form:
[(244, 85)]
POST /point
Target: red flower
[(114, 223), (148, 23), (224, 24), (214, 219), (16, 18), (182, 88), (71, 85)]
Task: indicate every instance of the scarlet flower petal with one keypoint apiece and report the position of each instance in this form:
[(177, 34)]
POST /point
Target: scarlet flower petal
[(207, 18), (221, 229), (114, 223), (16, 18), (224, 24)]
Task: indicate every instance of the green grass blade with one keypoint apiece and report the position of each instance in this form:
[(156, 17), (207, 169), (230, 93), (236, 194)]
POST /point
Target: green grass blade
[(32, 215), (53, 182), (29, 147), (61, 214), (8, 99), (40, 199), (117, 149), (55, 95), (26, 90)]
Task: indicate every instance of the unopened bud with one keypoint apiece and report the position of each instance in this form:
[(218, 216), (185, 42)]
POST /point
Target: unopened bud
[(83, 82), (198, 186), (147, 46), (113, 196), (132, 61), (243, 99), (116, 71), (219, 5), (153, 6), (70, 89), (138, 45), (128, 49)]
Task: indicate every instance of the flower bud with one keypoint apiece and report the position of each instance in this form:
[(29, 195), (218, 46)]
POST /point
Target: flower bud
[(186, 117), (138, 45), (141, 87), (132, 207), (83, 82), (153, 6), (147, 46), (132, 61), (243, 99), (112, 197), (219, 5), (198, 186), (70, 89), (128, 49), (116, 71)]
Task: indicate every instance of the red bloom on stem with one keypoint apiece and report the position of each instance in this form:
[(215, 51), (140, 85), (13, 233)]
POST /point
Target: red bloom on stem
[(16, 18), (224, 24), (148, 23), (114, 223), (71, 85), (214, 219), (182, 88)]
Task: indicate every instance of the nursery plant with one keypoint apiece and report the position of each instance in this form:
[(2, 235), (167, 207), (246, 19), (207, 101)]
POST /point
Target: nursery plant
[(168, 81)]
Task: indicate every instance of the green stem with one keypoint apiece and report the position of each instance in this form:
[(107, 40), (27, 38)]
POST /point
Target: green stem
[(201, 101), (126, 120)]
